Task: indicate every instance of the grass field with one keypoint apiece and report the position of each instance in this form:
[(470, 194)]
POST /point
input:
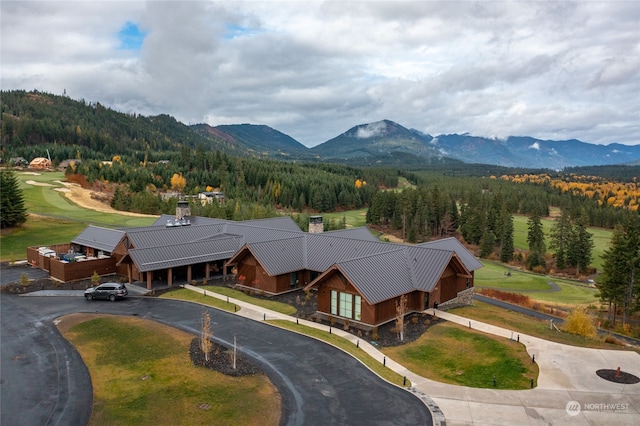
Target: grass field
[(192, 296), (601, 238), (527, 325), (141, 374), (53, 219), (283, 308), (353, 218), (450, 353), (537, 287)]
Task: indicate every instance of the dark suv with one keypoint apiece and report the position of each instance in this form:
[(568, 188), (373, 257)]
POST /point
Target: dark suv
[(111, 291)]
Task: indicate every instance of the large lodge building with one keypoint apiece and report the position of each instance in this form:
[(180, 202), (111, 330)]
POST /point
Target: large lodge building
[(357, 278)]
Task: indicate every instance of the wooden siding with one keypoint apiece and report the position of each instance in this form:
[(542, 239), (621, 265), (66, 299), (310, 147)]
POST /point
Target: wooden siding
[(80, 270)]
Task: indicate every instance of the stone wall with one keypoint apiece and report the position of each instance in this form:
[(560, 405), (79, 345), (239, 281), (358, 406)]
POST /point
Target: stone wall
[(464, 298)]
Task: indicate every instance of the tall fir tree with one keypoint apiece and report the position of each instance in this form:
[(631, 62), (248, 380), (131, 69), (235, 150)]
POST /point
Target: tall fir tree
[(619, 283), (561, 232), (506, 241), (12, 210), (535, 239), (580, 245)]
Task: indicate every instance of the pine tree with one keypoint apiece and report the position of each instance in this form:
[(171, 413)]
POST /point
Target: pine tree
[(506, 240), (12, 209), (580, 245), (619, 284), (488, 243), (535, 238), (561, 232)]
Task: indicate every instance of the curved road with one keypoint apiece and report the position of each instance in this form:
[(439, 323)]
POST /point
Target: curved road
[(44, 381)]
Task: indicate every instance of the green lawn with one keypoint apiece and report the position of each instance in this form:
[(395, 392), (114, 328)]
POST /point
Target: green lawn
[(525, 324), (353, 218), (601, 237), (283, 308), (53, 219), (192, 296), (492, 275), (142, 374), (450, 353)]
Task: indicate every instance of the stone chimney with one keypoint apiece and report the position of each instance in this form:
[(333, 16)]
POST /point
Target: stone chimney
[(315, 224), (182, 210)]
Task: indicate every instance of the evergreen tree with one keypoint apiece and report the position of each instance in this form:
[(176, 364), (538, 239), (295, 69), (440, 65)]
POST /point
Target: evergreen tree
[(488, 243), (12, 209), (506, 240), (561, 232), (619, 284), (580, 245), (535, 239)]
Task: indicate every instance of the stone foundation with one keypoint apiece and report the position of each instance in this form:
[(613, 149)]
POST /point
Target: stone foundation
[(464, 298)]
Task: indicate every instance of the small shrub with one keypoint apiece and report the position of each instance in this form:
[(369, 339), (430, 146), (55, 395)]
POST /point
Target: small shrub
[(331, 320), (346, 325), (24, 280), (194, 283), (95, 279), (414, 319), (374, 333), (580, 323), (359, 333), (427, 321), (204, 281)]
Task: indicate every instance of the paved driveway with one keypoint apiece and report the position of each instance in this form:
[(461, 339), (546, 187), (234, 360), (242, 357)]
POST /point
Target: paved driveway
[(318, 383)]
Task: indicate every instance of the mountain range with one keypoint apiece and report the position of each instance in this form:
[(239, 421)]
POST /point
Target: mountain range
[(387, 142), (34, 118)]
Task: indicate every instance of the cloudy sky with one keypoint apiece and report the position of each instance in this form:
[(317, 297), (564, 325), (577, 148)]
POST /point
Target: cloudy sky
[(551, 70)]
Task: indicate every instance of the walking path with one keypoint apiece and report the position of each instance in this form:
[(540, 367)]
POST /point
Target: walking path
[(568, 390)]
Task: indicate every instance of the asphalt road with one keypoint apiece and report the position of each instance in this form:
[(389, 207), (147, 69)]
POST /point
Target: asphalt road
[(44, 381)]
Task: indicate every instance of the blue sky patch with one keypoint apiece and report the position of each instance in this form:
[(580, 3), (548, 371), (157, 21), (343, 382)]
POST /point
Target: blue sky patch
[(131, 37), (234, 31)]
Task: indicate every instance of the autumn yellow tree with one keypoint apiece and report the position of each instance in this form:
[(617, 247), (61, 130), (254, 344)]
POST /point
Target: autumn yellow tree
[(178, 182)]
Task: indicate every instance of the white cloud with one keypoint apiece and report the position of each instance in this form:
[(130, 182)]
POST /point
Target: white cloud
[(535, 146), (551, 70), (371, 130)]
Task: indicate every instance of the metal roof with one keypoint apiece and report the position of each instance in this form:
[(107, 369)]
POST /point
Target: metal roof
[(99, 238), (170, 256), (452, 244), (379, 277), (362, 233)]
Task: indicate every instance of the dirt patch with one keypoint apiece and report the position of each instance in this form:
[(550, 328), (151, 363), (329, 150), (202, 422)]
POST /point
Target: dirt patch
[(86, 199), (34, 183)]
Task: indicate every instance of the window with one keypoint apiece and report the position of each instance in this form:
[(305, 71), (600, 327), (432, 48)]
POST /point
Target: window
[(294, 279), (346, 305)]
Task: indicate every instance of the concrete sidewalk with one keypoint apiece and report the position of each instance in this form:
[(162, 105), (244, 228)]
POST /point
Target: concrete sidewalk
[(568, 390)]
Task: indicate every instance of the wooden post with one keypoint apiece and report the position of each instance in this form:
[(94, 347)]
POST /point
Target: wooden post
[(149, 276), (170, 276), (188, 274), (207, 271)]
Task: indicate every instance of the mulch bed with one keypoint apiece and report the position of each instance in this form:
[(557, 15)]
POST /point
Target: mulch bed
[(622, 377), (221, 360)]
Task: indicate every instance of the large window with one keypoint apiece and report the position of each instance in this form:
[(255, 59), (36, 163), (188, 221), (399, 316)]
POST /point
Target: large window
[(346, 305)]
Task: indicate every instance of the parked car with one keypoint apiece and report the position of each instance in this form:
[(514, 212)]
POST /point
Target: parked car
[(111, 291)]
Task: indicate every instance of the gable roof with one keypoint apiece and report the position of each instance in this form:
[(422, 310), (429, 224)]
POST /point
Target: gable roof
[(379, 270), (99, 238), (452, 244)]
